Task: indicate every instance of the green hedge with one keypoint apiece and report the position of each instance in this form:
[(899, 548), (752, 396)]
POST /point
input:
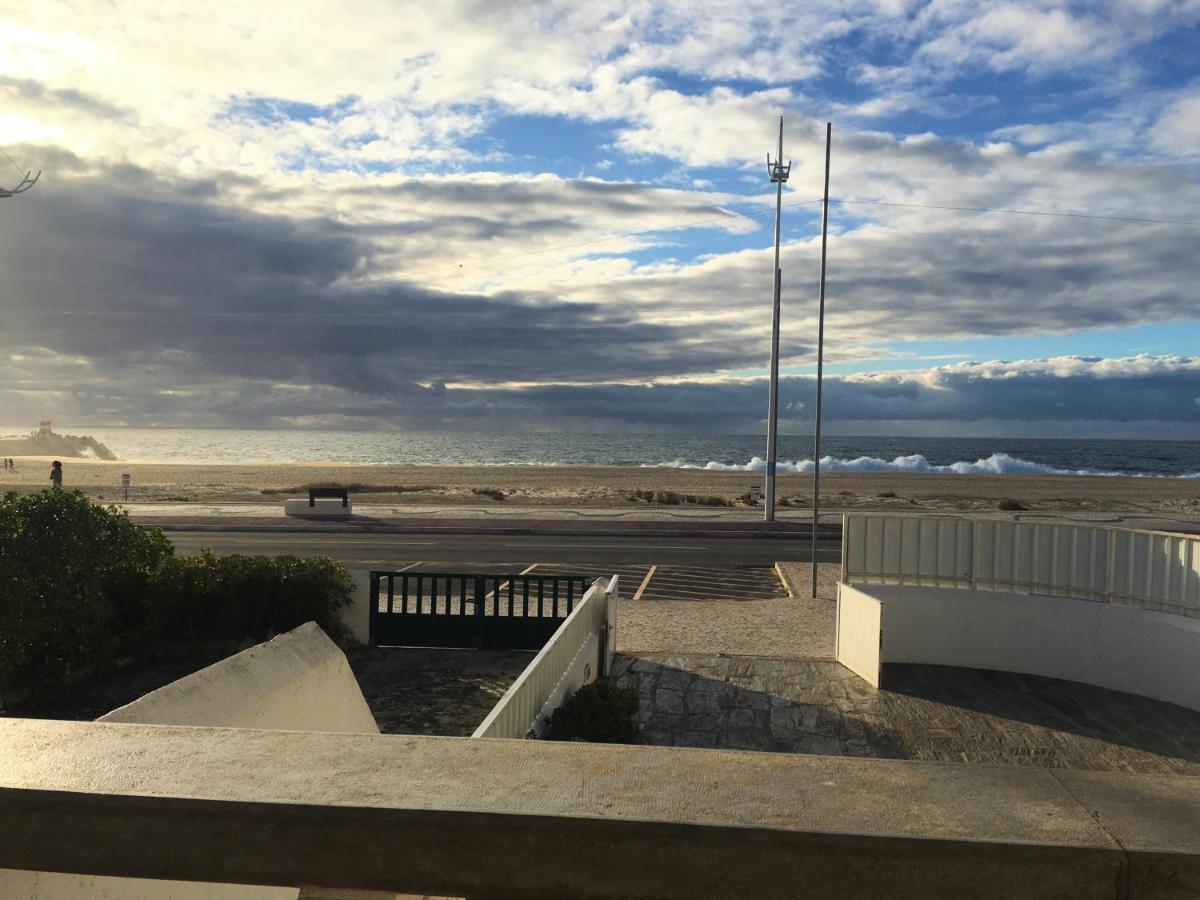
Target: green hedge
[(599, 712), (234, 598), (82, 587)]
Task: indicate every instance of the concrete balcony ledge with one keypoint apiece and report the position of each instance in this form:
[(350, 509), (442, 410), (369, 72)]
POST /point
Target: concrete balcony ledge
[(486, 818)]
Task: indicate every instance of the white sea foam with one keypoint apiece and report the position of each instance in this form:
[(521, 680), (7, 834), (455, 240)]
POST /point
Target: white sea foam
[(996, 464)]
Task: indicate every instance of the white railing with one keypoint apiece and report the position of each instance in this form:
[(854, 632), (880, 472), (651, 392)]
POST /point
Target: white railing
[(579, 652), (1148, 569)]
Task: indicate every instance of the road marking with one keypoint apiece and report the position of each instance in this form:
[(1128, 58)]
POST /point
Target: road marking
[(645, 581), (284, 539), (410, 566), (782, 580), (612, 546), (500, 587)]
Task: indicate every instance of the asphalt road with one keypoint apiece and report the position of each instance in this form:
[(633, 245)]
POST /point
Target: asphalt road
[(391, 549)]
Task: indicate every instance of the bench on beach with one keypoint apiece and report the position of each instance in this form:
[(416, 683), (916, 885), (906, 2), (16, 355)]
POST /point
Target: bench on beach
[(321, 502)]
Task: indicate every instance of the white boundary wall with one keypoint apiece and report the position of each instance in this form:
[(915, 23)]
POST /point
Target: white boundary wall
[(300, 681), (1110, 607), (1139, 651), (859, 625), (578, 653), (1148, 569)]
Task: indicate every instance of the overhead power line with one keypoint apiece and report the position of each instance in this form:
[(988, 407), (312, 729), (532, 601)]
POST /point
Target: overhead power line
[(1020, 212), (404, 276), (625, 235)]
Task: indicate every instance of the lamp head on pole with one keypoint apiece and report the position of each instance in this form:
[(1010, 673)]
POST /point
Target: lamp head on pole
[(22, 186), (777, 171)]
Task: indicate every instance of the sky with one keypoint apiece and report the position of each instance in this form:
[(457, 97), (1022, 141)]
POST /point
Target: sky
[(557, 215)]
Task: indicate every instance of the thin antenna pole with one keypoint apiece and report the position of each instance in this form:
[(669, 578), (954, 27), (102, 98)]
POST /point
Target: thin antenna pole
[(820, 363), (778, 174)]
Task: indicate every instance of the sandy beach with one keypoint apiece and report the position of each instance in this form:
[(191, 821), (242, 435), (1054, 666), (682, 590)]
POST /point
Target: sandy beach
[(609, 486)]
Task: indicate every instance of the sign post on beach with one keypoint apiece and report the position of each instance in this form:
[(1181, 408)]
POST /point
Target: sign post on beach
[(125, 484)]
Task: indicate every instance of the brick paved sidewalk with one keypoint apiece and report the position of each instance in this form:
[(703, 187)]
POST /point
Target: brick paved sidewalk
[(930, 713), (794, 628), (797, 629)]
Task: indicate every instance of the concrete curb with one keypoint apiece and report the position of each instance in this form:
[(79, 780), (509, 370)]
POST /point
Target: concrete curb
[(785, 581), (482, 529)]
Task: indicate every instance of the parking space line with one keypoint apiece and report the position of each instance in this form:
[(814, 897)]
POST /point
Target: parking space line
[(607, 546), (500, 587), (645, 581)]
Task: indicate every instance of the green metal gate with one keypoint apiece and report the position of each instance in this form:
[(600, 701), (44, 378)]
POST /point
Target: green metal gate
[(493, 612)]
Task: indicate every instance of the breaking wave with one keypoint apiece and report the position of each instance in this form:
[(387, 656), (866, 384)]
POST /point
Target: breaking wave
[(996, 464)]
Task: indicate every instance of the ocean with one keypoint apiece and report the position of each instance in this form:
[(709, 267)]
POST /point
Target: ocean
[(734, 452)]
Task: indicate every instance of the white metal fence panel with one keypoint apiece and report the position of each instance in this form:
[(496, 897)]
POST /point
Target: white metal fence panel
[(858, 627), (1038, 558), (560, 667), (1148, 569), (922, 550)]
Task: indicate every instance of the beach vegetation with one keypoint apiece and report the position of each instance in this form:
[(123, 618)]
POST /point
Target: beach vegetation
[(492, 493), (355, 487), (886, 495), (1010, 505), (84, 589), (600, 712), (671, 498)]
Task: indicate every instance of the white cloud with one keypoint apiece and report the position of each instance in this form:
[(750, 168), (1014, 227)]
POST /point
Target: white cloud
[(1178, 129)]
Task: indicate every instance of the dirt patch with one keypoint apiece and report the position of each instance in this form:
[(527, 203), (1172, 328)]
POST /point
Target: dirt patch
[(431, 691)]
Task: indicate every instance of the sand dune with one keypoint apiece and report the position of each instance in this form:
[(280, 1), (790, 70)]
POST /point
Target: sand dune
[(610, 486)]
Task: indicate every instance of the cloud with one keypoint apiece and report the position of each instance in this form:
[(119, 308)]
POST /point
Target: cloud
[(229, 219), (1178, 129), (1065, 396), (190, 290)]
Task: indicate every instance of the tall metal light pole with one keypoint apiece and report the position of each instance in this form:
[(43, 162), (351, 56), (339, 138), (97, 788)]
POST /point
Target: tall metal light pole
[(778, 173), (820, 362)]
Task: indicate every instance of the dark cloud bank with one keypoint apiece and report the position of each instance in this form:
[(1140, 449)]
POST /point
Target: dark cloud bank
[(130, 299)]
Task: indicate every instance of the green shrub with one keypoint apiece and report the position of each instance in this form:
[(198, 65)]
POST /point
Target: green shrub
[(81, 587), (238, 598), (1011, 505), (493, 493), (599, 712), (75, 586)]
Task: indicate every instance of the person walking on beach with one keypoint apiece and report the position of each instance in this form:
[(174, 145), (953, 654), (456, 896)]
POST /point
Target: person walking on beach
[(56, 474)]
